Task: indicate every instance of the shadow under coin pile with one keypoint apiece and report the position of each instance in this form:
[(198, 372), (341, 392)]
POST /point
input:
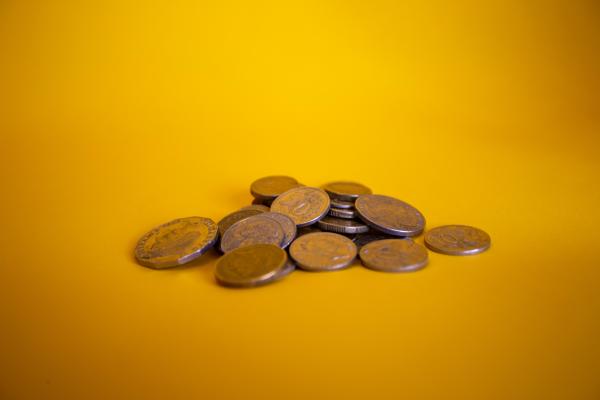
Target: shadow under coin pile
[(325, 229)]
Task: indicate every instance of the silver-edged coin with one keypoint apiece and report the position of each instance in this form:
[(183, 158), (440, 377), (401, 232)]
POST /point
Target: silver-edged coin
[(259, 207), (347, 191), (347, 213), (365, 238), (252, 265), (346, 226), (288, 225), (335, 203), (305, 205), (234, 217), (252, 230), (390, 215), (177, 242), (394, 255), (457, 240), (323, 251), (269, 187)]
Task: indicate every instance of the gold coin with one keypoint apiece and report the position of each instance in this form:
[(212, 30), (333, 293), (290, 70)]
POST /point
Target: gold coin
[(304, 205), (323, 251), (252, 266), (269, 187)]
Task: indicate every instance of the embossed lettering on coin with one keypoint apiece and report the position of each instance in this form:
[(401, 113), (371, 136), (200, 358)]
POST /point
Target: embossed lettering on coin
[(323, 251), (394, 255), (390, 215), (252, 230), (304, 205), (252, 265), (457, 240)]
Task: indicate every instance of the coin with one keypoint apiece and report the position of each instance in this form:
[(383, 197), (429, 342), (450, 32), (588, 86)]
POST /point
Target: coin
[(347, 191), (304, 205), (323, 251), (347, 213), (252, 230), (177, 242), (269, 187), (258, 207), (259, 202), (341, 203), (288, 226), (338, 225), (252, 265), (366, 238), (234, 217), (457, 240), (394, 255), (390, 215), (308, 229)]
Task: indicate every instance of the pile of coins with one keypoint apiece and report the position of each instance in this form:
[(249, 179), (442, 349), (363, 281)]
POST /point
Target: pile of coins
[(323, 229)]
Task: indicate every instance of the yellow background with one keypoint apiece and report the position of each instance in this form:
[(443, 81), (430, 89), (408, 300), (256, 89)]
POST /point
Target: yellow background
[(118, 116)]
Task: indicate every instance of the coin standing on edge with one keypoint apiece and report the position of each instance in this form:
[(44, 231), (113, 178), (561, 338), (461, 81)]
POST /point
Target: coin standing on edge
[(177, 242), (346, 191), (252, 230), (394, 255), (457, 240), (227, 221), (252, 265), (287, 224), (269, 187), (304, 205), (390, 215), (346, 226), (323, 251)]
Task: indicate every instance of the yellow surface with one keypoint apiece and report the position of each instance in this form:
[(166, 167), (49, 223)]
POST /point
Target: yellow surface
[(118, 116)]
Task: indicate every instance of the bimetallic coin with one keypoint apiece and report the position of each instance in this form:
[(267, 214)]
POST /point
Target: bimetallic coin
[(457, 240), (252, 230), (234, 217), (323, 251), (304, 205), (268, 188), (347, 213), (347, 191), (258, 207), (252, 266), (394, 255), (346, 226), (341, 203), (288, 226), (390, 215), (176, 242), (365, 238)]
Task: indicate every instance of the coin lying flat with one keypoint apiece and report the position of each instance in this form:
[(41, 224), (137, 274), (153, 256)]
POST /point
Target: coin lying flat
[(365, 238), (394, 255), (335, 203), (252, 230), (390, 215), (269, 187), (176, 242), (258, 207), (347, 213), (234, 217), (347, 191), (323, 251), (457, 240), (252, 266), (288, 226), (304, 205), (346, 226)]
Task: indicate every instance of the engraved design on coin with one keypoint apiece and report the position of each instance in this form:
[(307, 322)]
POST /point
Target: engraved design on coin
[(346, 226), (287, 224), (252, 230), (457, 240), (346, 191), (394, 255), (252, 265), (390, 215), (269, 187), (304, 205), (234, 217), (323, 251), (176, 242)]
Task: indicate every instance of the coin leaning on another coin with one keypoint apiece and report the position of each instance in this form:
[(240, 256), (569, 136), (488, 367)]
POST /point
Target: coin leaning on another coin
[(304, 205), (390, 215), (252, 230)]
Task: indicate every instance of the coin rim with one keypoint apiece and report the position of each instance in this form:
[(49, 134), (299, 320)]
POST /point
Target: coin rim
[(267, 278), (344, 195), (346, 213), (409, 268), (312, 221), (385, 229), (305, 267), (472, 252), (287, 239), (262, 196), (257, 215), (329, 227)]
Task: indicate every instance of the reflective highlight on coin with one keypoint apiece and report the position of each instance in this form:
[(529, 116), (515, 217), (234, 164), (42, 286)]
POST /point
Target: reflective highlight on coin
[(394, 255), (252, 230), (304, 205), (347, 191), (346, 226), (390, 215), (288, 226), (252, 266), (269, 187), (457, 240), (176, 242), (323, 251)]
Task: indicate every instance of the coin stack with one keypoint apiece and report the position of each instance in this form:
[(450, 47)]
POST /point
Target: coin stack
[(290, 225)]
